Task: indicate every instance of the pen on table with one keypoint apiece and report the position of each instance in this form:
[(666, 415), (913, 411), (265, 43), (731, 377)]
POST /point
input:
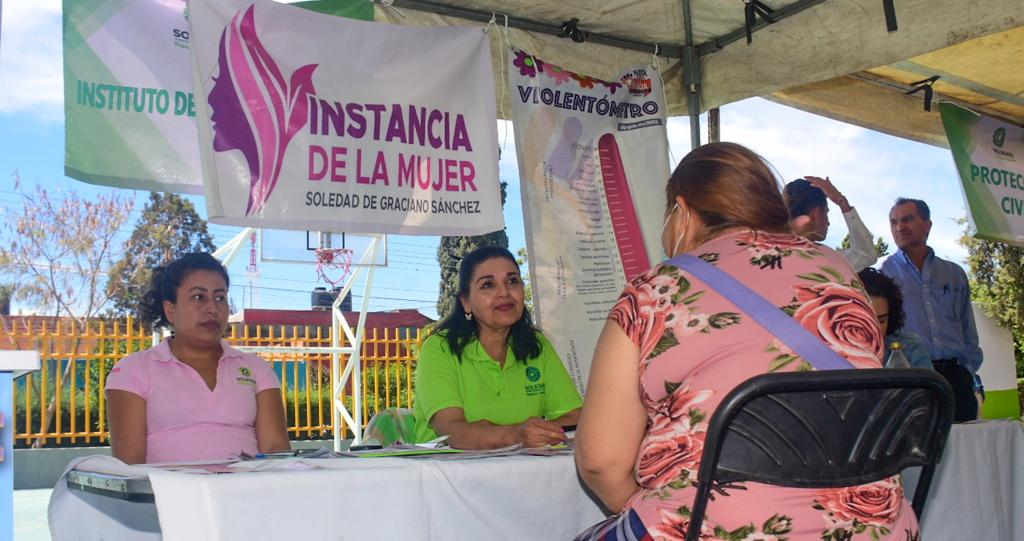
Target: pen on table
[(277, 454)]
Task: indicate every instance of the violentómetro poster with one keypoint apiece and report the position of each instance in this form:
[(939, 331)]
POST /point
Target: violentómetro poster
[(593, 164)]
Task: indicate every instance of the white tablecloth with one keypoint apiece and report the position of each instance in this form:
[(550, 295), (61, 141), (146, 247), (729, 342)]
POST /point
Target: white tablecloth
[(81, 516), (978, 489), (977, 494), (516, 497)]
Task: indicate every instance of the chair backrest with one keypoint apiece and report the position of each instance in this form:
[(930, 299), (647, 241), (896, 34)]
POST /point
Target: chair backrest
[(829, 428)]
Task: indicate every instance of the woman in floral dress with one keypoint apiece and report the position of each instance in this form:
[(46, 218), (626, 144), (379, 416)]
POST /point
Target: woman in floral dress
[(673, 348)]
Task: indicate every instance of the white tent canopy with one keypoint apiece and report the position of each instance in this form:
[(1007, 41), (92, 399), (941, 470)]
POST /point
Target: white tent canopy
[(832, 57)]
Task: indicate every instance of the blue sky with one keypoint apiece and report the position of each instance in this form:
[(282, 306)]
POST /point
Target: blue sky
[(872, 169)]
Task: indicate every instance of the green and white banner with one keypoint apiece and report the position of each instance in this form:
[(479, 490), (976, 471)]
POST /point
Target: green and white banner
[(989, 156), (129, 111)]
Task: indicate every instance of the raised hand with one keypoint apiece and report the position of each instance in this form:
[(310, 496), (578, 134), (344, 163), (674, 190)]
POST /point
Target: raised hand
[(834, 195)]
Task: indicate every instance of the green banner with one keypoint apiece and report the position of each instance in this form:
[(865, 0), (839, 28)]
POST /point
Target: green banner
[(352, 9), (989, 156), (129, 111)]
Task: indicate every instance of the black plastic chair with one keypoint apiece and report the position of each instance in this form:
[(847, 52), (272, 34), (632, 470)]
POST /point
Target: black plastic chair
[(824, 429)]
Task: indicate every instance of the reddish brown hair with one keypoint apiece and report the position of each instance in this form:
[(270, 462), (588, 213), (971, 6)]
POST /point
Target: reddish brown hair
[(729, 185)]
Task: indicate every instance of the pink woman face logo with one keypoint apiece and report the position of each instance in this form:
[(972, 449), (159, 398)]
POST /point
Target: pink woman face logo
[(256, 111)]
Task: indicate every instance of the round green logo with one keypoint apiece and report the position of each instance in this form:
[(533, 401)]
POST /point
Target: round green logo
[(999, 137), (532, 373)]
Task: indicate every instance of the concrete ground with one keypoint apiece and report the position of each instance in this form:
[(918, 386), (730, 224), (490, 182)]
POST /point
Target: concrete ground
[(30, 522)]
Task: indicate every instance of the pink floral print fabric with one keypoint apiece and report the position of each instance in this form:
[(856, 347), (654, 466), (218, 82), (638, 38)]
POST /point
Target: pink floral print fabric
[(695, 346)]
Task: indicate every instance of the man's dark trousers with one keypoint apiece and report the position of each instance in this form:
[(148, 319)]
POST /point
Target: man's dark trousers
[(962, 382)]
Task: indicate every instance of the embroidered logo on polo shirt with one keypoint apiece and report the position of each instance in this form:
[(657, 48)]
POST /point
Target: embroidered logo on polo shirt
[(533, 374), (246, 377)]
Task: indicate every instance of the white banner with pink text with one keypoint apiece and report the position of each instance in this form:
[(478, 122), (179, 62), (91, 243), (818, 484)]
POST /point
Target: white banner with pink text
[(593, 164), (309, 121)]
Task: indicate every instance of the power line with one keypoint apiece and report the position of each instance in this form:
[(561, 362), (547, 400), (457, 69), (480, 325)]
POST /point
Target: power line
[(354, 296), (241, 282)]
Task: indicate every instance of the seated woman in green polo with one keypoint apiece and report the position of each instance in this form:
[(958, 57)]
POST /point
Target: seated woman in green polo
[(486, 378)]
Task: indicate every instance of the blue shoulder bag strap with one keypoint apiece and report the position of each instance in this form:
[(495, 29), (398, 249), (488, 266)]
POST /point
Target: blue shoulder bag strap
[(777, 322)]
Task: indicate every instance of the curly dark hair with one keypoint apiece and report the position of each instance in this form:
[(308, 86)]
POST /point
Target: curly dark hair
[(880, 285), (163, 285), (460, 331)]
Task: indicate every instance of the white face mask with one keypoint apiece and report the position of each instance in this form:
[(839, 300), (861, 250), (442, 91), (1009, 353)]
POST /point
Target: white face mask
[(668, 217), (675, 248)]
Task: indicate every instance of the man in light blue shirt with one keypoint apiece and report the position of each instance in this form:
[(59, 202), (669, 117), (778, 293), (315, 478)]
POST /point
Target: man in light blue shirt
[(936, 302)]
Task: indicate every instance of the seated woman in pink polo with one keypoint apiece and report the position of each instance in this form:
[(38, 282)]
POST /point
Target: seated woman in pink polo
[(193, 397)]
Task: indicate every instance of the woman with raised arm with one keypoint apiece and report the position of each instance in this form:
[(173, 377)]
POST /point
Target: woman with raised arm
[(486, 378), (192, 397)]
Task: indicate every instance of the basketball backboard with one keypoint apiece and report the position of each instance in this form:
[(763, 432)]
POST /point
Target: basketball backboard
[(299, 247)]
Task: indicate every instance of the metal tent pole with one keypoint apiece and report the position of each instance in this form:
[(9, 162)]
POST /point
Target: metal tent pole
[(691, 76)]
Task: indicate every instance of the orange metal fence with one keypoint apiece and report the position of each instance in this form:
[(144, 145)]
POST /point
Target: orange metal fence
[(63, 403)]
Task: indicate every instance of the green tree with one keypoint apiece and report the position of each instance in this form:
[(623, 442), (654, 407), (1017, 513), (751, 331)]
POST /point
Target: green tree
[(881, 246), (450, 252), (523, 258), (997, 283), (6, 293), (59, 250), (167, 228)]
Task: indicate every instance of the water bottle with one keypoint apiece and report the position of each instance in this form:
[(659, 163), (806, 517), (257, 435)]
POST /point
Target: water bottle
[(896, 357)]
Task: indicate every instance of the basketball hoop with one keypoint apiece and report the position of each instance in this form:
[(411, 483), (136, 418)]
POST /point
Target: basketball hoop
[(331, 260)]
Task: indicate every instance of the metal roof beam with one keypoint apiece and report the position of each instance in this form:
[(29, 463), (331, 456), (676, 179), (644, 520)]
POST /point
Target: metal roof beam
[(664, 49), (904, 88), (720, 42), (670, 50)]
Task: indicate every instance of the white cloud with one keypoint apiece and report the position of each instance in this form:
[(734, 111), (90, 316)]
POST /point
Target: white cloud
[(508, 170), (31, 65), (678, 130)]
